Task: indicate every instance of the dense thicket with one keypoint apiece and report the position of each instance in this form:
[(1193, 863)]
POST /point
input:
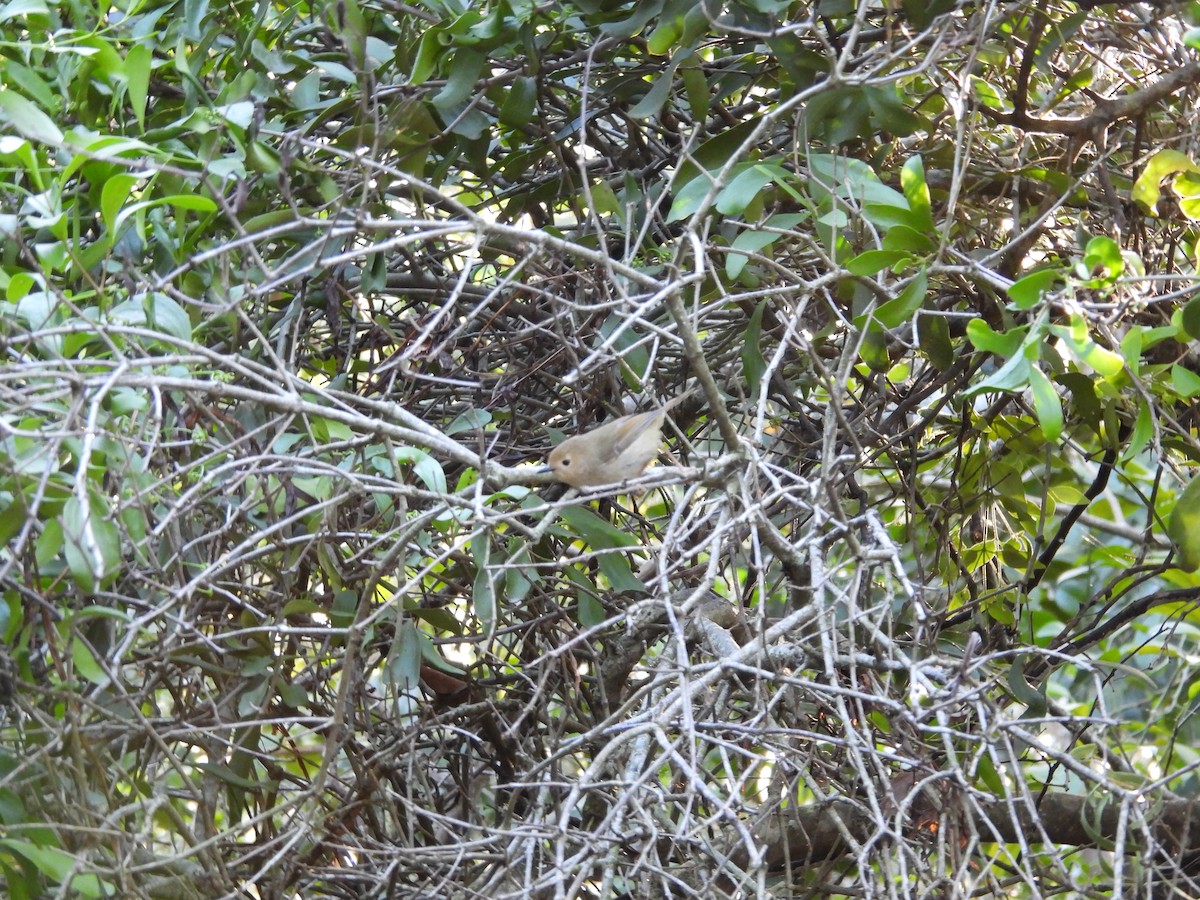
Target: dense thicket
[(292, 295)]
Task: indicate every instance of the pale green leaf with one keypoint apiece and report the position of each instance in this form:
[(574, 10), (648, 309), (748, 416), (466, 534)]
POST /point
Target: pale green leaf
[(1183, 527)]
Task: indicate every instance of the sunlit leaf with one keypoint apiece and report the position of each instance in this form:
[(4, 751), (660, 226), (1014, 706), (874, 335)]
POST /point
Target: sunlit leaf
[(1185, 381), (981, 335), (1078, 339), (1046, 404), (1165, 162), (916, 191), (1183, 527)]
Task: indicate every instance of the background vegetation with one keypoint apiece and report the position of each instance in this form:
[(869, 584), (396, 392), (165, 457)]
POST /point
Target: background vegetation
[(292, 292)]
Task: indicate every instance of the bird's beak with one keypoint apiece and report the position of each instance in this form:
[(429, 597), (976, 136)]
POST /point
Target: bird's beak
[(542, 470)]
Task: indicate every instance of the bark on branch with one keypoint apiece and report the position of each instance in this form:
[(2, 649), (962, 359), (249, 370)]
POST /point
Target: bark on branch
[(818, 832)]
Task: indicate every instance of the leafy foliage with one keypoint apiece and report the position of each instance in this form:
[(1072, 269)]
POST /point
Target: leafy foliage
[(292, 292)]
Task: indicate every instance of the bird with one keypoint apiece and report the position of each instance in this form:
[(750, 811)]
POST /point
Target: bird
[(614, 452)]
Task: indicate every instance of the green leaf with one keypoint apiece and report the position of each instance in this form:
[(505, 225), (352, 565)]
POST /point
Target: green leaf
[(982, 337), (988, 775), (597, 532), (1132, 346), (1190, 318), (197, 202), (13, 517), (16, 8), (714, 153), (165, 315), (1012, 376), (439, 618), (138, 62), (626, 28), (471, 420), (1107, 362), (263, 159), (344, 609), (695, 87), (635, 357), (57, 865), (616, 569), (85, 662), (744, 188), (902, 237), (1027, 291), (653, 100), (424, 466), (1143, 429), (520, 575), (403, 665), (889, 215), (837, 115), (28, 120), (590, 610), (33, 85), (922, 12), (112, 198), (902, 308), (916, 191), (1033, 698), (1185, 381), (851, 179), (293, 695), (429, 51), (933, 335), (754, 240), (345, 19), (1146, 189), (483, 592), (520, 104), (465, 70), (1046, 404), (873, 350), (987, 93), (1183, 527), (1102, 259), (91, 542), (301, 606), (664, 36), (688, 198), (604, 199), (754, 366), (870, 262)]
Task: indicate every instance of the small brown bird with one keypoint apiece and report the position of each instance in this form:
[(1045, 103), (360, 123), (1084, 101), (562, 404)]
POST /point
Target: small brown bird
[(614, 452)]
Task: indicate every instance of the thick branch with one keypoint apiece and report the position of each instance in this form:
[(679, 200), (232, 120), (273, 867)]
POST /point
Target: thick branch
[(1105, 113), (812, 833)]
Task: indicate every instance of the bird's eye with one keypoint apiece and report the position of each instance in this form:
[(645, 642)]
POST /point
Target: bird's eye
[(566, 461)]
